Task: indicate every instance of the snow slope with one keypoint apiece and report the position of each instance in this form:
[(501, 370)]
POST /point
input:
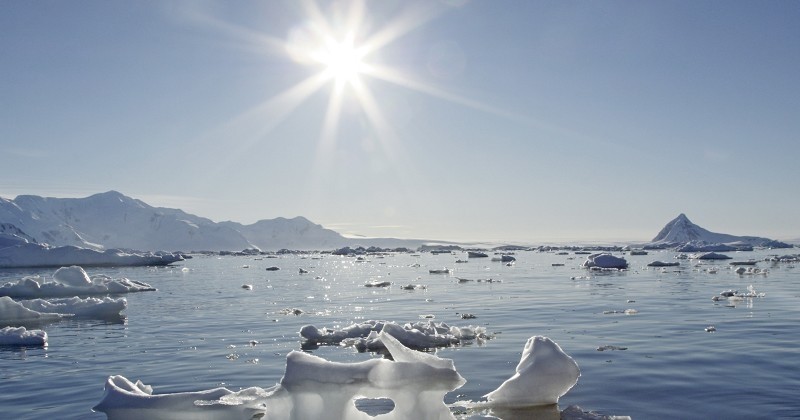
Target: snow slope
[(681, 231), (113, 220)]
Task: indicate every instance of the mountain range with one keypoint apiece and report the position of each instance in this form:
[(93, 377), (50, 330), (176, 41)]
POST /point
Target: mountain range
[(113, 220)]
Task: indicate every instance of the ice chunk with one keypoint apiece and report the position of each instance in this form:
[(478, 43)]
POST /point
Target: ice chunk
[(126, 400), (83, 308), (543, 375), (12, 312), (72, 276), (20, 336), (420, 335), (37, 255), (605, 261), (72, 281)]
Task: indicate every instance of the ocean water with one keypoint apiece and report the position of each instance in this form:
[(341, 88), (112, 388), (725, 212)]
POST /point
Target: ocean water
[(195, 332)]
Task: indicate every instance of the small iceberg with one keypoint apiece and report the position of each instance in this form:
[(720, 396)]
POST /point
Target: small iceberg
[(22, 337), (543, 375), (14, 313), (605, 261), (710, 256), (70, 281), (37, 255), (38, 311), (419, 335), (90, 307), (664, 264)]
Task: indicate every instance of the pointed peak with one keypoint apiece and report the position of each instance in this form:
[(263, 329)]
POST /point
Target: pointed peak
[(109, 194)]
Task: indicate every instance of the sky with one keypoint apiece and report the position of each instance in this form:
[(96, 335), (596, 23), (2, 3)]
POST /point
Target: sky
[(516, 121)]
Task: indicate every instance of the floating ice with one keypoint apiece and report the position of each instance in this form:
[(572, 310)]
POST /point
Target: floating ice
[(89, 307), (20, 336), (314, 388), (710, 256), (36, 255), (420, 335), (378, 284), (12, 312), (610, 347), (736, 295), (605, 261), (543, 375), (40, 310), (663, 264), (750, 271), (71, 281)]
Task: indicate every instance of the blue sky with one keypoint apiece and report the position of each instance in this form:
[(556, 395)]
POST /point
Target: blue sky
[(525, 121)]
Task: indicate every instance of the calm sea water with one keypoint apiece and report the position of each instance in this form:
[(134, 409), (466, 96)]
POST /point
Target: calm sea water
[(194, 333)]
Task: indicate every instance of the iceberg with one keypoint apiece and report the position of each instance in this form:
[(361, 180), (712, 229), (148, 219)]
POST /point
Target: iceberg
[(68, 282), (314, 388), (658, 263), (365, 336), (36, 255), (89, 307), (605, 261), (20, 336), (12, 312), (543, 375), (710, 256)]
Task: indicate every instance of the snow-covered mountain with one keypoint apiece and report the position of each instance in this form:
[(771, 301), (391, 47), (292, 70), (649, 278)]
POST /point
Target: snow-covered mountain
[(296, 233), (113, 220), (681, 231)]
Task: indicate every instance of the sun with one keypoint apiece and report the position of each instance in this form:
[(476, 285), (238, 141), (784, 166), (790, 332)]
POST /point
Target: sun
[(343, 62)]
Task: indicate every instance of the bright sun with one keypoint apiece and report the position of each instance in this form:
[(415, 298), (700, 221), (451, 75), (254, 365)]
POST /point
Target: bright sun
[(343, 61)]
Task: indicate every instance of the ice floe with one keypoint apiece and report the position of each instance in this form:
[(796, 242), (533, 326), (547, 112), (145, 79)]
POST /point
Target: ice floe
[(750, 271), (37, 255), (605, 261), (663, 264), (419, 335), (314, 388), (20, 336), (70, 281), (14, 313), (710, 256), (736, 295), (543, 375), (90, 307)]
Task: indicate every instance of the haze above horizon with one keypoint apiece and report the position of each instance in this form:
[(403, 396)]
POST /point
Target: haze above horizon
[(454, 120)]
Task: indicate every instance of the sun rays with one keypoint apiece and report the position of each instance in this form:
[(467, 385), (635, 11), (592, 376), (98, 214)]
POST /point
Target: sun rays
[(342, 51)]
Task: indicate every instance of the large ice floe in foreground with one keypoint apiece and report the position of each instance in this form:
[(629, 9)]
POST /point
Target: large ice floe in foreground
[(26, 254), (314, 388), (68, 282)]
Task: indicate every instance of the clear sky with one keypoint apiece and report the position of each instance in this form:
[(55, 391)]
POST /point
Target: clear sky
[(526, 121)]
